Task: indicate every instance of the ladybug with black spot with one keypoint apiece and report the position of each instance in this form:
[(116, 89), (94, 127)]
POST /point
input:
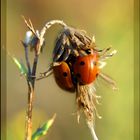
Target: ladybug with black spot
[(81, 69)]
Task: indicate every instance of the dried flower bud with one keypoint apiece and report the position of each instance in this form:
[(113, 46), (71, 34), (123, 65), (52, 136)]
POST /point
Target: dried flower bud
[(28, 38), (71, 41)]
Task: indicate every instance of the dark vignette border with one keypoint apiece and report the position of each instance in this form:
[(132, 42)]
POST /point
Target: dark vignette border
[(3, 70), (136, 71)]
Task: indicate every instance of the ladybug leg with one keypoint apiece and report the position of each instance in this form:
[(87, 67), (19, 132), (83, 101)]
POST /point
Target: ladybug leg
[(46, 73), (109, 80)]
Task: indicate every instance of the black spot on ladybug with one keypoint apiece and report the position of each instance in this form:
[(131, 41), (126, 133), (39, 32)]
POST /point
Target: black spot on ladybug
[(82, 63), (65, 74), (78, 75), (97, 74)]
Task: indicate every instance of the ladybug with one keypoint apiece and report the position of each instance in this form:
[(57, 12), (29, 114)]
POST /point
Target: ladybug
[(81, 69), (63, 77), (85, 68)]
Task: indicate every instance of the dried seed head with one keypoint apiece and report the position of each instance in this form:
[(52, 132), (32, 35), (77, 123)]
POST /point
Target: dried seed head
[(74, 40)]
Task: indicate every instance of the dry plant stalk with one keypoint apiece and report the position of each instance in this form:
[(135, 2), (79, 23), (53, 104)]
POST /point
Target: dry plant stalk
[(31, 77), (70, 44)]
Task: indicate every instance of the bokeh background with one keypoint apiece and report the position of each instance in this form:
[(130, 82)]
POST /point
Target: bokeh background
[(112, 24)]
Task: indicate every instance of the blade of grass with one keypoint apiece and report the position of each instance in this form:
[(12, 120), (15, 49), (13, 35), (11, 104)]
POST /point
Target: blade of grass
[(43, 130), (21, 66)]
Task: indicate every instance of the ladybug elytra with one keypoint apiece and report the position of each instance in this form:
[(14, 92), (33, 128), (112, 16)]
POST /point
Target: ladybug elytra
[(83, 70), (62, 76)]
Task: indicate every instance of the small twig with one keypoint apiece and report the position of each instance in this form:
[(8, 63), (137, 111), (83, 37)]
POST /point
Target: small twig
[(44, 75)]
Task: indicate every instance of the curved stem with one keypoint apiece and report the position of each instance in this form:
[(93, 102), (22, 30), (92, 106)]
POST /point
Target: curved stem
[(45, 28), (49, 24)]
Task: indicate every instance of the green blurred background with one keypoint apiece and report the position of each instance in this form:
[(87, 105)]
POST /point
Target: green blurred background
[(112, 24)]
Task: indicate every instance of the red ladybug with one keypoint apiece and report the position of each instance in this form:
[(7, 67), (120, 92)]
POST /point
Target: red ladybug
[(85, 68), (63, 77)]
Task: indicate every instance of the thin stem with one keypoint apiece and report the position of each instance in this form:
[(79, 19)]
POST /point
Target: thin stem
[(31, 85), (91, 128), (31, 78), (49, 24), (46, 27), (27, 60), (28, 134), (34, 69)]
